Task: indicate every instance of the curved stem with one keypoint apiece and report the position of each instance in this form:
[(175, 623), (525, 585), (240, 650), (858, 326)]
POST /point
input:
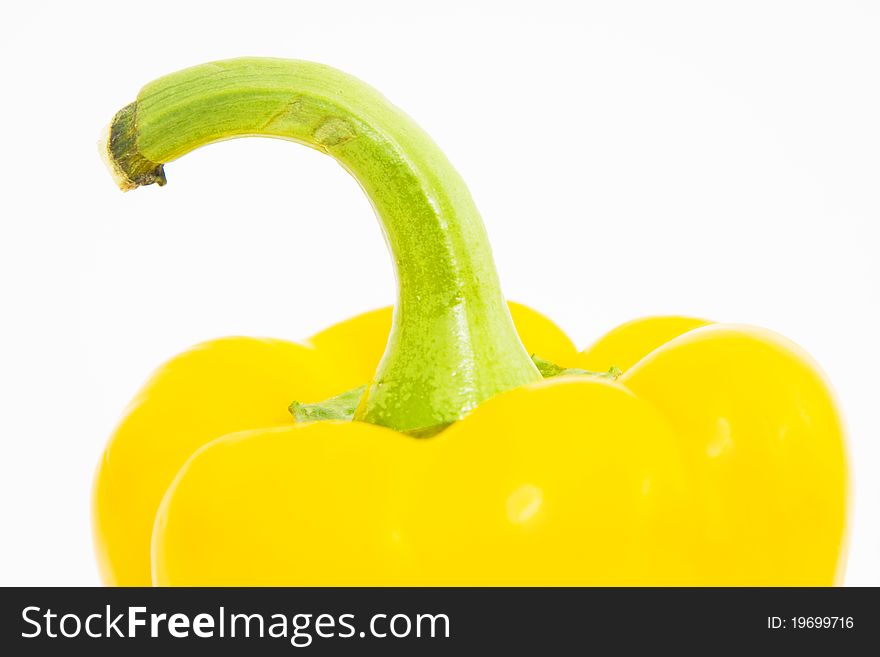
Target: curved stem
[(453, 343)]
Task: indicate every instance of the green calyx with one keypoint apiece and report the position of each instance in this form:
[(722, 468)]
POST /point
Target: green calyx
[(452, 343), (344, 406), (548, 370), (340, 407)]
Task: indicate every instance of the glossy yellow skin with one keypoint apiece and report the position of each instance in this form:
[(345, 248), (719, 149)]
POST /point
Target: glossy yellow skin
[(763, 446), (717, 458), (508, 495), (627, 344), (228, 385)]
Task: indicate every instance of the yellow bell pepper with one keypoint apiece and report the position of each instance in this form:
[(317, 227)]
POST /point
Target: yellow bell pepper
[(455, 457)]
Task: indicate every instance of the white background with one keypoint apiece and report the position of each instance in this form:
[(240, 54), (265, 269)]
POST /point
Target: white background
[(717, 159)]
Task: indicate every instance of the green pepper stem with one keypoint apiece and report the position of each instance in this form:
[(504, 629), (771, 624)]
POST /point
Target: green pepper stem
[(452, 343)]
